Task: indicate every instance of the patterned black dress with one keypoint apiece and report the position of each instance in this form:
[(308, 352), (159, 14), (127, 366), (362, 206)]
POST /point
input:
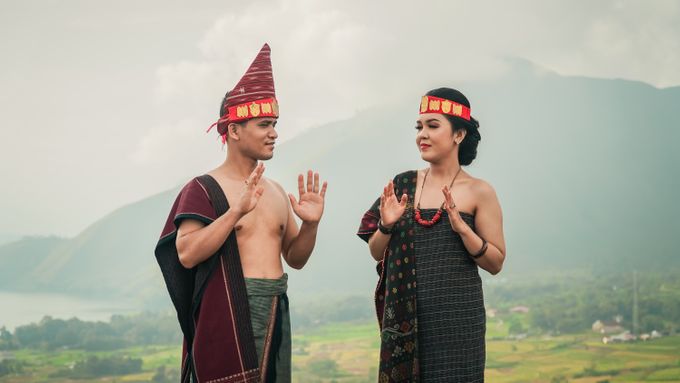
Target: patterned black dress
[(450, 305)]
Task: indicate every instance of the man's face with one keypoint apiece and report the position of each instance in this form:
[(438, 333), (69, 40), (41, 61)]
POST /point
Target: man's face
[(257, 138)]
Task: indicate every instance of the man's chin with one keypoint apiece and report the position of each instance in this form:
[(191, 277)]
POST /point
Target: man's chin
[(266, 156)]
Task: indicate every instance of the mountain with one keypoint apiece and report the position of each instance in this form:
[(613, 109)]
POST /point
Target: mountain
[(585, 169), (19, 258), (7, 238)]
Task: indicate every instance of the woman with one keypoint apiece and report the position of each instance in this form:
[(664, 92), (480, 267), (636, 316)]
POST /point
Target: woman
[(429, 243)]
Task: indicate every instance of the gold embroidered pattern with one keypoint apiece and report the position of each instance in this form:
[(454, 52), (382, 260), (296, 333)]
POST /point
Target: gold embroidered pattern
[(446, 106), (423, 104), (242, 111), (255, 109)]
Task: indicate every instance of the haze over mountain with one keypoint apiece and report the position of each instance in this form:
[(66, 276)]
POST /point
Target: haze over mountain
[(585, 169)]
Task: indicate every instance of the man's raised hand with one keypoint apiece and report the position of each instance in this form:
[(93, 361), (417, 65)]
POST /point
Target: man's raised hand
[(251, 192), (310, 203)]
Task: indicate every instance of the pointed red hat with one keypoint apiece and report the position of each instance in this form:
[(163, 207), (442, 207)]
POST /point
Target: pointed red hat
[(253, 96)]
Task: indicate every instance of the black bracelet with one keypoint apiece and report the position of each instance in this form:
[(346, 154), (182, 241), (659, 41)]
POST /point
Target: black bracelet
[(481, 251), (384, 229)]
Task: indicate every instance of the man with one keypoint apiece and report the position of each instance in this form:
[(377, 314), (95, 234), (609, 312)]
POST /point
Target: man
[(221, 249)]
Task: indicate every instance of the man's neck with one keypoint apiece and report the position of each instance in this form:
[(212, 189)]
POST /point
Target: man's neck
[(237, 166)]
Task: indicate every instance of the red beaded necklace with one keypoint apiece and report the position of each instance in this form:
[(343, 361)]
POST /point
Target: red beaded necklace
[(438, 215)]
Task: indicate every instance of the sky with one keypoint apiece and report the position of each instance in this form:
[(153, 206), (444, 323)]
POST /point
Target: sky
[(106, 103)]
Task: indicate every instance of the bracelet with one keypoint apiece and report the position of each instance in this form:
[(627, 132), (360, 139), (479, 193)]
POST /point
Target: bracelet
[(384, 229), (482, 251)]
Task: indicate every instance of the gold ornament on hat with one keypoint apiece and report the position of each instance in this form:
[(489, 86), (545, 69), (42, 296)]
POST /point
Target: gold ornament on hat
[(255, 109), (266, 108), (242, 111)]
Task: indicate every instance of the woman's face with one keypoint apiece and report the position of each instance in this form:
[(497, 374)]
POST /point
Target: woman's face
[(435, 138)]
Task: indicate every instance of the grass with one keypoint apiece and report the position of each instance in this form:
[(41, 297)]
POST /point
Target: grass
[(348, 352)]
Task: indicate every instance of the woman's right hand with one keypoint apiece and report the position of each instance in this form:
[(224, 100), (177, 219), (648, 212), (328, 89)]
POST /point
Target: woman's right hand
[(391, 209), (251, 192)]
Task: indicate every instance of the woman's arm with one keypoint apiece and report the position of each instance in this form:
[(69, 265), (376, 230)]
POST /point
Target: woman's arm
[(391, 211), (377, 244), (488, 225)]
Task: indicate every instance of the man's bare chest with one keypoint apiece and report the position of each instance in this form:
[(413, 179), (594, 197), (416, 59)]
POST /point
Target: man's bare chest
[(270, 215)]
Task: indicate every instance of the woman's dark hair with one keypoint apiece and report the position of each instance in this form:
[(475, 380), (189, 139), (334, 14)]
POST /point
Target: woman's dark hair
[(468, 148)]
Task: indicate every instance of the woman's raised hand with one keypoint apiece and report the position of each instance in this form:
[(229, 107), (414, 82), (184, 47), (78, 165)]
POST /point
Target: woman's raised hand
[(391, 209)]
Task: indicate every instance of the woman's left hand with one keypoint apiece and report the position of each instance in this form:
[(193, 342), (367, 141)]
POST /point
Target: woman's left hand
[(456, 221)]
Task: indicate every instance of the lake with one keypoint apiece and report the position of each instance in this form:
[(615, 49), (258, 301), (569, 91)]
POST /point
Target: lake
[(24, 308)]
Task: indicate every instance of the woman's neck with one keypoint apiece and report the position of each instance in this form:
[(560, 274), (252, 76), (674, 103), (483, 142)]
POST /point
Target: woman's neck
[(445, 169)]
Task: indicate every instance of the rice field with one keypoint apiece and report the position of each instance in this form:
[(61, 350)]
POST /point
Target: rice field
[(347, 352)]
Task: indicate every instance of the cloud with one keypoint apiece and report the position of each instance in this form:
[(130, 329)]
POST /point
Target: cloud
[(184, 78), (168, 138), (165, 73), (333, 59), (634, 40)]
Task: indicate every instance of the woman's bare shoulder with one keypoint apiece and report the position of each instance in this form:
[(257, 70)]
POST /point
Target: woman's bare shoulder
[(482, 188)]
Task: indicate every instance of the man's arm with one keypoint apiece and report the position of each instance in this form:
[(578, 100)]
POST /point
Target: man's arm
[(298, 244), (196, 242)]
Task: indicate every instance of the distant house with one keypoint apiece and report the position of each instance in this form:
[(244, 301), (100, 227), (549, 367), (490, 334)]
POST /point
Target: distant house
[(519, 309), (653, 335), (625, 336), (607, 327), (491, 313), (517, 336)]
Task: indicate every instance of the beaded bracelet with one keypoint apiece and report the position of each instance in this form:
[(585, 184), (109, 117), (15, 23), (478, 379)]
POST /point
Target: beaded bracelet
[(384, 229), (481, 251)]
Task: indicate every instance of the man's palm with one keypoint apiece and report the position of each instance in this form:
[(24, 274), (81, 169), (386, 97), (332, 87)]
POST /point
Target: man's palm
[(311, 199)]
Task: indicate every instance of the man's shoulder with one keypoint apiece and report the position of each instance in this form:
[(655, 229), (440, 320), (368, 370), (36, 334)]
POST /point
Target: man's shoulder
[(276, 186), (193, 187)]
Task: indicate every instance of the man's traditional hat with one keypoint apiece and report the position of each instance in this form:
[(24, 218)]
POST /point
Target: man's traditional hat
[(253, 96)]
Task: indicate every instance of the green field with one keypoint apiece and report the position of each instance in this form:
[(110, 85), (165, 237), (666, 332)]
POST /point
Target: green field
[(578, 358), (347, 352)]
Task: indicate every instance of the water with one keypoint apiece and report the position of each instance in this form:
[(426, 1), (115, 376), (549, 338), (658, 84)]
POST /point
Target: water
[(23, 308)]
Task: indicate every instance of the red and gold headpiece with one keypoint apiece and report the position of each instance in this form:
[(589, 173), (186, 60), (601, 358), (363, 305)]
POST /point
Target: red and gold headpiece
[(431, 104), (254, 95), (267, 107)]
